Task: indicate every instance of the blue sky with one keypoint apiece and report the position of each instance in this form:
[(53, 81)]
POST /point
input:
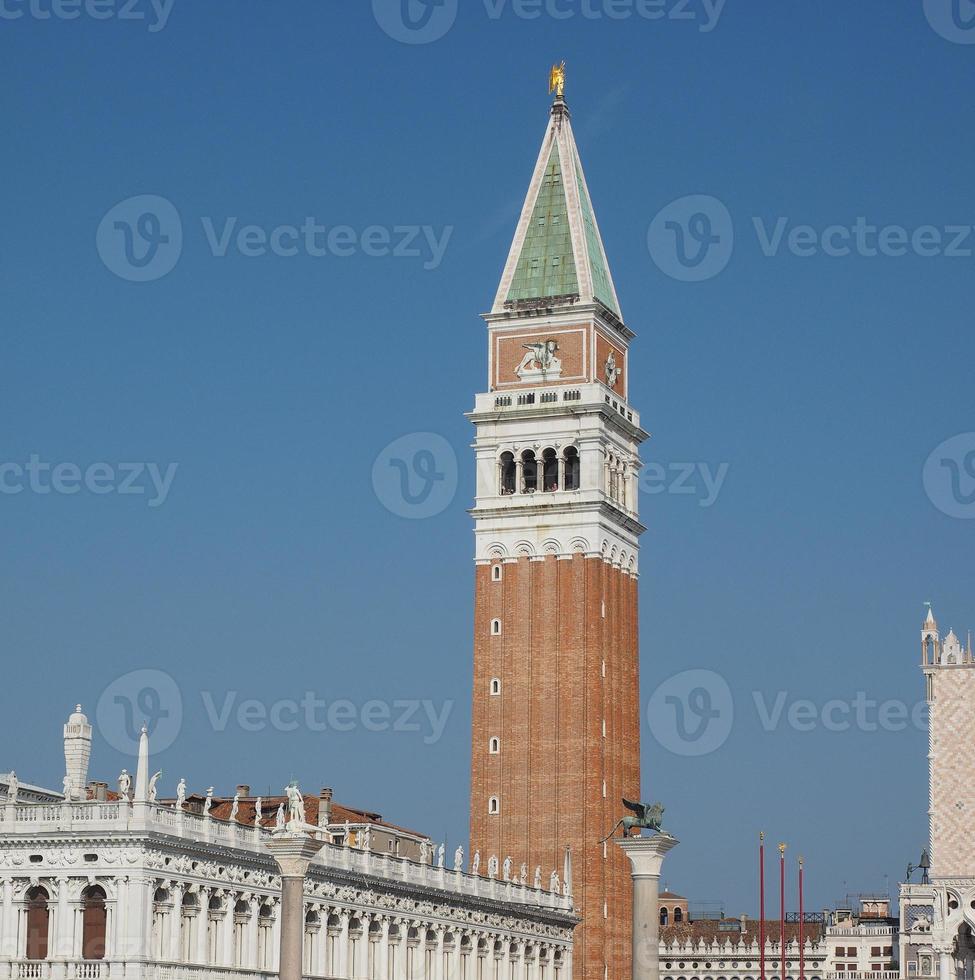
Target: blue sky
[(270, 565)]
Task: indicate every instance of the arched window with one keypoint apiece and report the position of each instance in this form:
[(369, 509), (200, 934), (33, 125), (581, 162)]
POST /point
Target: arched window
[(94, 921), (678, 915), (38, 923), (550, 469), (495, 746), (497, 572), (508, 473), (572, 468), (495, 627), (494, 806), (664, 919), (495, 686), (529, 472)]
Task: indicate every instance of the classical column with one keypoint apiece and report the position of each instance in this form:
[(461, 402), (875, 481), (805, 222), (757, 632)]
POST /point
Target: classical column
[(293, 853), (8, 922), (945, 969), (382, 965), (201, 953), (646, 856), (252, 940)]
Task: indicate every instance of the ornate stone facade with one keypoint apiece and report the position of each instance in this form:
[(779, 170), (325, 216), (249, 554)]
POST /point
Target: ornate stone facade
[(938, 915), (132, 889)]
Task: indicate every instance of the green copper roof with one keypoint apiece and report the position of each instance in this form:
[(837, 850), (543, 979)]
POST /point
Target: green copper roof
[(546, 266), (601, 287)]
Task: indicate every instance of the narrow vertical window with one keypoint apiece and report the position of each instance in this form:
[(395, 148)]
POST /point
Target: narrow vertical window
[(495, 746), (494, 806), (495, 627), (497, 573), (495, 686)]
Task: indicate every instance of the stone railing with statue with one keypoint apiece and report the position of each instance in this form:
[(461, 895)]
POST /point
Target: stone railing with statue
[(127, 816)]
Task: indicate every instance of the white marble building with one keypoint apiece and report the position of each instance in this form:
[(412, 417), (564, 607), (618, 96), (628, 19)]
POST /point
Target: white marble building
[(128, 888)]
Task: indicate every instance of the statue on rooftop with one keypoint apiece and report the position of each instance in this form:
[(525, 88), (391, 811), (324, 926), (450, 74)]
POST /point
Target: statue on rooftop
[(124, 784), (296, 803), (235, 808), (13, 787), (476, 863), (258, 811), (154, 786), (459, 859), (208, 803), (181, 795)]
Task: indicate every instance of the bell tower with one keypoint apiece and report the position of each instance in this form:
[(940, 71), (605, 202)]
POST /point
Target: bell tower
[(556, 714)]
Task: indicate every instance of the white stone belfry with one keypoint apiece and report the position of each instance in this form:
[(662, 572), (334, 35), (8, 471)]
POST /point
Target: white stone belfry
[(77, 754)]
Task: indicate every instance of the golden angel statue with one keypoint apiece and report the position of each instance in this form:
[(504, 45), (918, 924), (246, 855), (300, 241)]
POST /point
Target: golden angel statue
[(556, 80)]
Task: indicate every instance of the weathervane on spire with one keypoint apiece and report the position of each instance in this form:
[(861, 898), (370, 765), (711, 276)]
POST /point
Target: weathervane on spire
[(556, 80)]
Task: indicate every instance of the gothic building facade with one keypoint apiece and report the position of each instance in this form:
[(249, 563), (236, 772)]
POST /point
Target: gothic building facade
[(556, 730), (937, 936)]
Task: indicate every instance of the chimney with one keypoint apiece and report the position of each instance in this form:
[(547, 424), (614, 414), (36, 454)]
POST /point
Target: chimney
[(98, 791), (325, 807), (243, 791)]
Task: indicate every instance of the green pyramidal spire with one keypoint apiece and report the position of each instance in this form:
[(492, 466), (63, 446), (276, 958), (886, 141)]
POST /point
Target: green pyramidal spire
[(557, 257)]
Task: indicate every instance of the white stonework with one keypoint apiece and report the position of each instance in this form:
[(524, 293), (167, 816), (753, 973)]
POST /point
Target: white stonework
[(938, 915), (735, 957), (132, 889)]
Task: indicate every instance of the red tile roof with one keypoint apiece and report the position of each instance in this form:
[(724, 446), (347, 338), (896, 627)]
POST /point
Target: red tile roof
[(247, 808)]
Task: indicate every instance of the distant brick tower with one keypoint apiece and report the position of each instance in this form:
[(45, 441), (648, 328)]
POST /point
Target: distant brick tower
[(556, 714)]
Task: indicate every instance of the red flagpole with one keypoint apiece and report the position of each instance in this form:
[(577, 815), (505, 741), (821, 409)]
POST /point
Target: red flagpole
[(802, 958), (761, 901), (782, 910)]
